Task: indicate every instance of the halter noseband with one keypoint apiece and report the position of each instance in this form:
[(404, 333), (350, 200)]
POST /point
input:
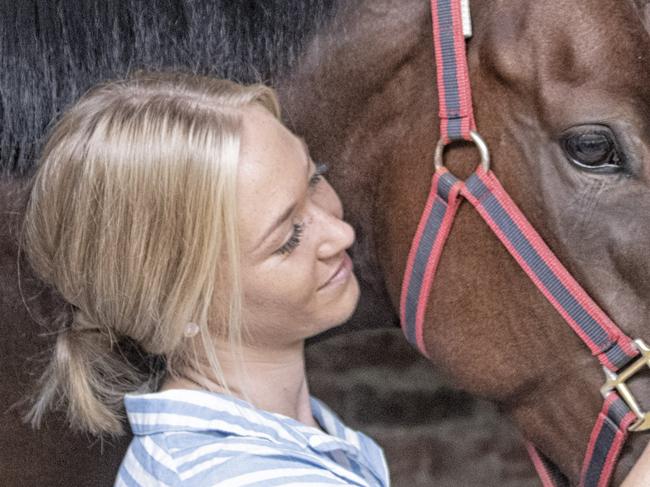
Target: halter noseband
[(620, 356)]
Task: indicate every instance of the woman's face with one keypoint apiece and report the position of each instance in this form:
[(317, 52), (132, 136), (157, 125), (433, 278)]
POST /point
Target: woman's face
[(296, 275)]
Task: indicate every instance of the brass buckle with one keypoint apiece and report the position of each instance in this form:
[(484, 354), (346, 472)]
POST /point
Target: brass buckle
[(617, 381)]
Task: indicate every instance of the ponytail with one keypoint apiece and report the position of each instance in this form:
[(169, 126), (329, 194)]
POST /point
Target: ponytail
[(90, 371)]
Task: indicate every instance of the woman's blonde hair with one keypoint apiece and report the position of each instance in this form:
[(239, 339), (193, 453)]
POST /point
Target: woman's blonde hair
[(132, 220)]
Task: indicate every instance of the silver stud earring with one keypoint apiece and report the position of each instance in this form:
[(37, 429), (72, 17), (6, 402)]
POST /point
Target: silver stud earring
[(191, 329)]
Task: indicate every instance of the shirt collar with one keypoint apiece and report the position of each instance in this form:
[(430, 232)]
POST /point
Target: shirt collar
[(178, 410)]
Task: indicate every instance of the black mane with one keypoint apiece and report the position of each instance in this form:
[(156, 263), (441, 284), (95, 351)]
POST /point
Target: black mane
[(51, 51)]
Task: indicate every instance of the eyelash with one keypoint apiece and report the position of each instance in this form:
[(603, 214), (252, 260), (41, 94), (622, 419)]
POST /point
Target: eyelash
[(298, 228), (294, 240), (318, 174)]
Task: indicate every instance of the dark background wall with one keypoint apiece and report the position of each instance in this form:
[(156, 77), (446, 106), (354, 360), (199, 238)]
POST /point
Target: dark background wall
[(432, 434)]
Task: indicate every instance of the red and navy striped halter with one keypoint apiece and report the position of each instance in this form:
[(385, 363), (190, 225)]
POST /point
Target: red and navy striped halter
[(620, 356)]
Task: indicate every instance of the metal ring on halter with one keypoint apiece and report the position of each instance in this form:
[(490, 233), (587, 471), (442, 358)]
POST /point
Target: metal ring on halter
[(480, 145)]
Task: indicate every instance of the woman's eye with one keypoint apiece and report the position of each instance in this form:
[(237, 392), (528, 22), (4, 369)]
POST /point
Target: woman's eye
[(321, 169), (592, 149), (298, 228), (293, 241)]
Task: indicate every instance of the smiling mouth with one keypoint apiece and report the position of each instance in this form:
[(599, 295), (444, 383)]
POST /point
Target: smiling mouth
[(342, 272)]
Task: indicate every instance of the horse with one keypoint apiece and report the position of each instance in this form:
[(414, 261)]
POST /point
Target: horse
[(555, 85), (540, 83)]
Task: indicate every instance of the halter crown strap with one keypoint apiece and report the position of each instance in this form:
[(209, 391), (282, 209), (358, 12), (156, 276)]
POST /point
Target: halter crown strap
[(454, 91), (605, 340)]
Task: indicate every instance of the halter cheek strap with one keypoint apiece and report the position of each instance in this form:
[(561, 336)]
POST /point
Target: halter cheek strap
[(619, 355)]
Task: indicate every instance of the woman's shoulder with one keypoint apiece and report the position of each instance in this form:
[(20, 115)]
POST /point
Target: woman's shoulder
[(199, 438), (198, 459), (148, 461)]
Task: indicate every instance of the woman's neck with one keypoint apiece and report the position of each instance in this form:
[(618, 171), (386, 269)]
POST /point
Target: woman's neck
[(272, 380)]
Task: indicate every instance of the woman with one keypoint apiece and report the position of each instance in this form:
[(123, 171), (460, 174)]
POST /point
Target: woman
[(186, 226)]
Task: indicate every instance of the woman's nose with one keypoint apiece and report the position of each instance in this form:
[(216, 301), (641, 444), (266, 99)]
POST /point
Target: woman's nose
[(337, 236)]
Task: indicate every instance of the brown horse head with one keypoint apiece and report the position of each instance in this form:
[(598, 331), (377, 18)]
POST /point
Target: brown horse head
[(562, 97)]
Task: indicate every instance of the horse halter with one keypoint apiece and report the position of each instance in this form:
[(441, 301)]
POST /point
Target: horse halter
[(620, 356)]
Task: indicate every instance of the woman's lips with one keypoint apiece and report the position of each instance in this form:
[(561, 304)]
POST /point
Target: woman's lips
[(341, 274)]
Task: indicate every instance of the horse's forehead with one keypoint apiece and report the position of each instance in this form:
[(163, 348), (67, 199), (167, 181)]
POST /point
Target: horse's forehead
[(603, 21), (607, 23), (584, 38)]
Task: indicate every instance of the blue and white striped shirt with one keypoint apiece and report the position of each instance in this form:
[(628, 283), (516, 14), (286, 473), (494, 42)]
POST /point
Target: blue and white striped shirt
[(196, 438)]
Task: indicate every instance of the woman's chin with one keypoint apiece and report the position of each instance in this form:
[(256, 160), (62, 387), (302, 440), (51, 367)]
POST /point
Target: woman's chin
[(343, 308)]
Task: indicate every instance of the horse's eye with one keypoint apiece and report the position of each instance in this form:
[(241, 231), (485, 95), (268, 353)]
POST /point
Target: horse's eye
[(592, 148)]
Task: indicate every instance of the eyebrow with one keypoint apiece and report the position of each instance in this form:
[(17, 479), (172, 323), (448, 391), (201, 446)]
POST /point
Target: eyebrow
[(282, 217)]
